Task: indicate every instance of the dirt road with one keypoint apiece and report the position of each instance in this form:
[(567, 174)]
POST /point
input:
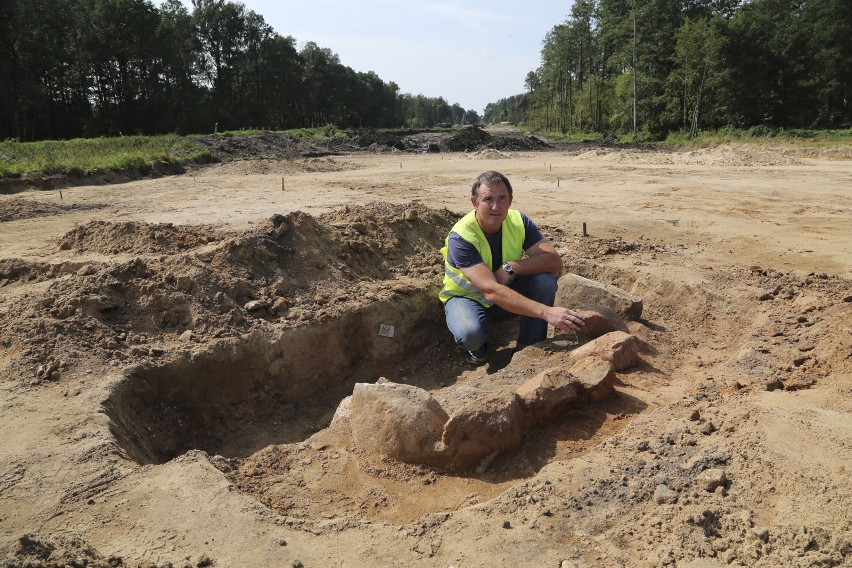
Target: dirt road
[(173, 351)]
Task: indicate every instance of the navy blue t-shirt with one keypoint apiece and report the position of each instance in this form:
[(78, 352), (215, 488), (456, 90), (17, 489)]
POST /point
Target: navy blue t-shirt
[(462, 254)]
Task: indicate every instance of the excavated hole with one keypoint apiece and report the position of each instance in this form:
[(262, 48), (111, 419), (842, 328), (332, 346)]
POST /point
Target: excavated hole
[(240, 396), (258, 398)]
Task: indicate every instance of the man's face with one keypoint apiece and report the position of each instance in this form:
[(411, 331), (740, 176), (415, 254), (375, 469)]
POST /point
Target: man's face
[(492, 205)]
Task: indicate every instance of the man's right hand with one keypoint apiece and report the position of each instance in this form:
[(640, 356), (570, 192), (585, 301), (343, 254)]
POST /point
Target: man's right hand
[(563, 318)]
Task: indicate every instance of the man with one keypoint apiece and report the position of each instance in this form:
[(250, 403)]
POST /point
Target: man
[(497, 265)]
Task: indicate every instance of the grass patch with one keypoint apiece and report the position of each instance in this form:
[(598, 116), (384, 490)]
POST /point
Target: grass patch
[(321, 134), (85, 156), (760, 135)]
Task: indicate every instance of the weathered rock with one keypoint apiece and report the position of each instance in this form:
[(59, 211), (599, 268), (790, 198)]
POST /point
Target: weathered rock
[(596, 377), (710, 479), (618, 347), (255, 305), (548, 392), (486, 426), (665, 495), (400, 421), (576, 292), (600, 320), (279, 306)]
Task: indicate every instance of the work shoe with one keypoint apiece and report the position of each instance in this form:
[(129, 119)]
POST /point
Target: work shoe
[(477, 357)]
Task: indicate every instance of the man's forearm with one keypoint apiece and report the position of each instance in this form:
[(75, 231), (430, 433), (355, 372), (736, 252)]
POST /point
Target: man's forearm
[(511, 301), (538, 264), (514, 302)]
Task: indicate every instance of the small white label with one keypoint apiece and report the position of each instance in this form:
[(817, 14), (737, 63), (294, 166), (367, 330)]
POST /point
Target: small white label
[(386, 330)]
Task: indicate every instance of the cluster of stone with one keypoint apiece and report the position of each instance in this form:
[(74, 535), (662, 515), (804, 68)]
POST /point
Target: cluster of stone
[(408, 424)]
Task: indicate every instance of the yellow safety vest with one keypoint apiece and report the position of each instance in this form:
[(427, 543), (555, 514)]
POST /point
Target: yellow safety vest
[(455, 284)]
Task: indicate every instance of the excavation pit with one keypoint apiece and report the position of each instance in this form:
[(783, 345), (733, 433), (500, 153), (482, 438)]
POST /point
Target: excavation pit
[(243, 394)]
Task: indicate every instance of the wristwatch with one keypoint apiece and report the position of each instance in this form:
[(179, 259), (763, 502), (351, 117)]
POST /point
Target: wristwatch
[(509, 270)]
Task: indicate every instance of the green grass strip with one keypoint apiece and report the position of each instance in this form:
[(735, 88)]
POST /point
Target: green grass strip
[(85, 156), (762, 134)]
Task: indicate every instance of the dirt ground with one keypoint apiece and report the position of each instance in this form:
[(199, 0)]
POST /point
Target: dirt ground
[(173, 350)]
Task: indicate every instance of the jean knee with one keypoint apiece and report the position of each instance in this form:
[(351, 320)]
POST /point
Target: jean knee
[(543, 288), (468, 326)]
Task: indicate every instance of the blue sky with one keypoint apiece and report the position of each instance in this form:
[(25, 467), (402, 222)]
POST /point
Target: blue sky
[(469, 52)]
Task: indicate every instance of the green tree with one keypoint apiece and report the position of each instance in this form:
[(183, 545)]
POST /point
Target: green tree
[(181, 104), (283, 77), (121, 64), (693, 85), (827, 25)]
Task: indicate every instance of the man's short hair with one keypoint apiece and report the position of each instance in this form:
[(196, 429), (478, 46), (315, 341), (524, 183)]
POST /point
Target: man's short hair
[(487, 178)]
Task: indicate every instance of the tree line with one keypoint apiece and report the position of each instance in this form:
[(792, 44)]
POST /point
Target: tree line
[(652, 67), (83, 68)]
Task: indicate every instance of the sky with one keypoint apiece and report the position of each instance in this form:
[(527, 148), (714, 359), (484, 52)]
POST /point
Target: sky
[(471, 52)]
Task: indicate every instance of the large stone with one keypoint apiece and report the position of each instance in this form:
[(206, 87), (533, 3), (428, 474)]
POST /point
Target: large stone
[(577, 292), (617, 347), (600, 320), (547, 393), (596, 377), (406, 423), (400, 421), (486, 426)]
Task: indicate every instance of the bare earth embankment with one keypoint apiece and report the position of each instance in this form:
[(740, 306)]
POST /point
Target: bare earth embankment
[(173, 352)]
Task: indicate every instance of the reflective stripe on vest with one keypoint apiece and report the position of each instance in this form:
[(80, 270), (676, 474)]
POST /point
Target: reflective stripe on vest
[(512, 237)]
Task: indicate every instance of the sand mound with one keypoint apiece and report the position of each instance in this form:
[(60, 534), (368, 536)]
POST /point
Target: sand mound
[(135, 238), (488, 154)]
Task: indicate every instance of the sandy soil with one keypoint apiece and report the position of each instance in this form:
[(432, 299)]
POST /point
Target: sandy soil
[(172, 352)]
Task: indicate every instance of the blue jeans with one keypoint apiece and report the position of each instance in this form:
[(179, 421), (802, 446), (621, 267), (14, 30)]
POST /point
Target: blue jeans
[(469, 321)]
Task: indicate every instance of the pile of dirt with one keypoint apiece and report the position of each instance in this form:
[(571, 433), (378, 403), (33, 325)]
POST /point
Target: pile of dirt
[(523, 142), (280, 146), (380, 140), (471, 138), (41, 180), (475, 138), (136, 238), (15, 271), (34, 550), (288, 270), (264, 146), (488, 154)]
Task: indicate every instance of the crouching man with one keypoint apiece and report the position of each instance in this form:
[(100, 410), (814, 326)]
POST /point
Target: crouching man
[(497, 265)]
